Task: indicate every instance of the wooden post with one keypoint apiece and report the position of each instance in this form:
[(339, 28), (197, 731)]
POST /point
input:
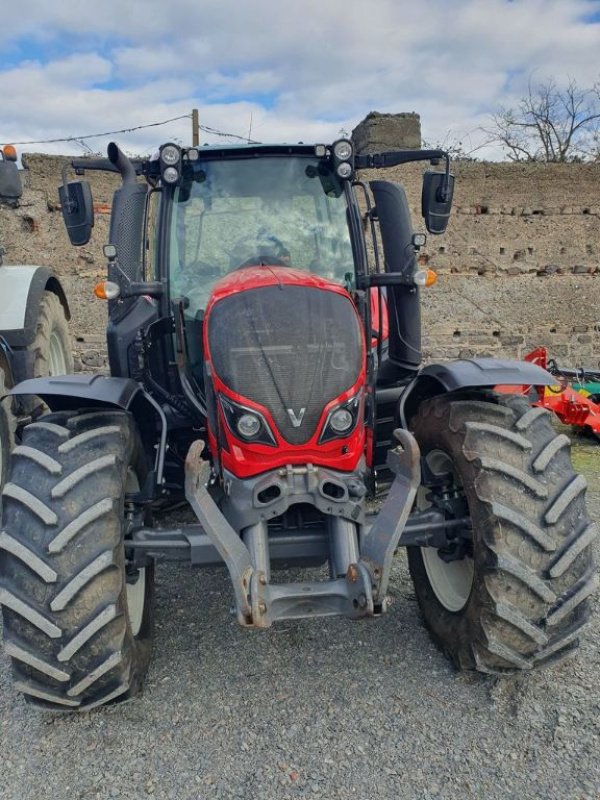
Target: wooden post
[(195, 128)]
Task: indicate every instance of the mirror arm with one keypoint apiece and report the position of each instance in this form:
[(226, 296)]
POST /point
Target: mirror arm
[(70, 204), (394, 158), (445, 187), (80, 165), (130, 288), (151, 288)]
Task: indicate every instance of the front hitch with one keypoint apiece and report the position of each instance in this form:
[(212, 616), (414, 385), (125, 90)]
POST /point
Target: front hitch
[(358, 593)]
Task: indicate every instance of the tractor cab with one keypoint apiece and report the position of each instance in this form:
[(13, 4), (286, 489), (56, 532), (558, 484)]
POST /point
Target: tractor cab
[(242, 210)]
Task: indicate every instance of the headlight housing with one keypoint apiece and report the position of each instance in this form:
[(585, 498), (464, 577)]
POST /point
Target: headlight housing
[(342, 150), (341, 420), (170, 175), (247, 424), (170, 155), (170, 163), (342, 154)]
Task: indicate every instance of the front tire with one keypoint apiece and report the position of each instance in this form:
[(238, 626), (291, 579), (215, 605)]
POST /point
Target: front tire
[(74, 641), (531, 572)]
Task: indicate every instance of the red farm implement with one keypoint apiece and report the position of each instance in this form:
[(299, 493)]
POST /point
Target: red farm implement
[(570, 398)]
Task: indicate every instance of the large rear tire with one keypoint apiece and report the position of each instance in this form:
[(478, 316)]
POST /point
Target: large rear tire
[(519, 594), (77, 627)]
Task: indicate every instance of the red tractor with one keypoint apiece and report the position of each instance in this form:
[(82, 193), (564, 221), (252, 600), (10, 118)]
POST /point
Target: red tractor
[(250, 377)]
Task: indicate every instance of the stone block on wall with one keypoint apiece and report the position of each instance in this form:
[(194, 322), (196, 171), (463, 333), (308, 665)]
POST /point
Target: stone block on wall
[(380, 132)]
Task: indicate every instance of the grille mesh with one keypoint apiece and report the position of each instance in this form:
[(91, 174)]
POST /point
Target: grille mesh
[(287, 347)]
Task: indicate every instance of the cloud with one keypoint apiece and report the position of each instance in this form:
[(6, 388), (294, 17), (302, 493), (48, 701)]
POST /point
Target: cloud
[(299, 71)]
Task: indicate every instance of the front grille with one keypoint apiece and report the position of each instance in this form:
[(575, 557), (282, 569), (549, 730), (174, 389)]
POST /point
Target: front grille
[(287, 348)]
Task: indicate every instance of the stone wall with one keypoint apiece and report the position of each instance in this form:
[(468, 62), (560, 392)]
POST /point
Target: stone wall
[(518, 267)]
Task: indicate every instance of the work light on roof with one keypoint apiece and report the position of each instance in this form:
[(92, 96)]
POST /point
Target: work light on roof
[(170, 155), (342, 157), (170, 175), (342, 150)]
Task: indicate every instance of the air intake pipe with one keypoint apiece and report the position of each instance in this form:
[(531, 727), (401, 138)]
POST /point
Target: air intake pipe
[(404, 310), (117, 157), (127, 218)]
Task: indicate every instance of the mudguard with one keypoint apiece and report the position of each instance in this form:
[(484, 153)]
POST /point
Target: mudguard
[(67, 392), (21, 289), (76, 392), (451, 376)]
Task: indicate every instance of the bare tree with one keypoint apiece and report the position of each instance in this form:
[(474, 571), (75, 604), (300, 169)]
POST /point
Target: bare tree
[(550, 124)]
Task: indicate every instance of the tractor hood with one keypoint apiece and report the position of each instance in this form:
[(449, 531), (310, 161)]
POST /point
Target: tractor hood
[(285, 340)]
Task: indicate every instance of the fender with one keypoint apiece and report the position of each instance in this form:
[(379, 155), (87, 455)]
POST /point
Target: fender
[(67, 392), (452, 376), (22, 288), (73, 392)]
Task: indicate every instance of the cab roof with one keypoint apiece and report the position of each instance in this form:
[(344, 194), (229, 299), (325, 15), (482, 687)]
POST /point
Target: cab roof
[(245, 150)]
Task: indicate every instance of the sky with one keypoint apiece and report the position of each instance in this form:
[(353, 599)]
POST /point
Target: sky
[(277, 70)]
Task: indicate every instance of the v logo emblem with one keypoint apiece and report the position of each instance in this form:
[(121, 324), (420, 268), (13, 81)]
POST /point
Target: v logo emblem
[(296, 420)]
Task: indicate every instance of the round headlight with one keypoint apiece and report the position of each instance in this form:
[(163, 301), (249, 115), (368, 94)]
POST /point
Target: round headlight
[(170, 175), (341, 420), (342, 150), (170, 154), (344, 169), (248, 425)]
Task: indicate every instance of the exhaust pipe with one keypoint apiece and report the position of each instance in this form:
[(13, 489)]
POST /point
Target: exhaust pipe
[(121, 162)]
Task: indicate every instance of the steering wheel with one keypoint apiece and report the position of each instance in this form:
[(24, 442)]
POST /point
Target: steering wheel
[(260, 261)]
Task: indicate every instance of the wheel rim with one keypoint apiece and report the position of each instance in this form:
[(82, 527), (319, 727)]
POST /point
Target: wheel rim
[(451, 581), (56, 355), (136, 591), (136, 596)]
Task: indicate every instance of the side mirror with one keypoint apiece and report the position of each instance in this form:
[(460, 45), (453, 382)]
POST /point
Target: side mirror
[(11, 187), (78, 210), (436, 203)]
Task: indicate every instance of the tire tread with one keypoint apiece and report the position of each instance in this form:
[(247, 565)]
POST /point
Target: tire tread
[(62, 565), (535, 575)]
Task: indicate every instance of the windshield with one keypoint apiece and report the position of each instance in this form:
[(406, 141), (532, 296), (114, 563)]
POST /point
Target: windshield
[(289, 211)]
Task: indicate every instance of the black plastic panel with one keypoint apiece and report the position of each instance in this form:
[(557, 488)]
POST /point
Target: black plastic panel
[(60, 392), (487, 372)]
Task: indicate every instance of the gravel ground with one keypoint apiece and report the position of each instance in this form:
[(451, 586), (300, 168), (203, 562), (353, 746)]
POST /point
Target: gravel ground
[(329, 709)]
